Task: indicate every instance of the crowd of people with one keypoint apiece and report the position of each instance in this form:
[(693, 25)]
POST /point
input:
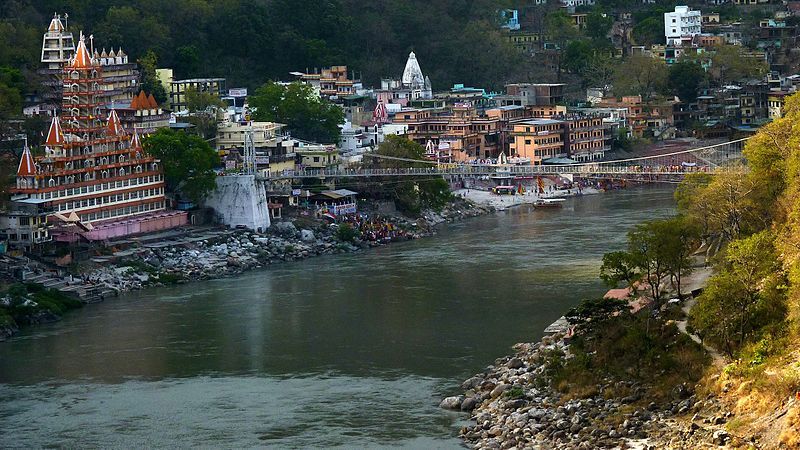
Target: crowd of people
[(374, 229)]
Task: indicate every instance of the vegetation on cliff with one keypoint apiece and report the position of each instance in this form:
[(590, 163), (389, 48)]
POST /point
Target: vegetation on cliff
[(27, 303)]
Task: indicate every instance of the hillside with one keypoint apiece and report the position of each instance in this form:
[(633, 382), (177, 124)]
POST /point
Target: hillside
[(251, 41)]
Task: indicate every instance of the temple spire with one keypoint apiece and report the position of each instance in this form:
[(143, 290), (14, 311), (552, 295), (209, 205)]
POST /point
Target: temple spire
[(55, 25), (83, 59), (55, 137), (412, 75), (27, 166), (135, 143), (114, 126)]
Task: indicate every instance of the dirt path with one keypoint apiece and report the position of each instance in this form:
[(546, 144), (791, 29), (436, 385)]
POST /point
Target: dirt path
[(696, 280)]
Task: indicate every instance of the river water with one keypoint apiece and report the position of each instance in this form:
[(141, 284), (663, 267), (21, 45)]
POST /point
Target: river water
[(351, 350)]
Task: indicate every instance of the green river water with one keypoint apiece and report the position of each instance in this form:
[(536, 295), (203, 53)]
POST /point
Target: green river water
[(351, 351)]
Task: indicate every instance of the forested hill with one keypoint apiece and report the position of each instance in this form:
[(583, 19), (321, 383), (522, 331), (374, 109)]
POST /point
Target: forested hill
[(251, 41)]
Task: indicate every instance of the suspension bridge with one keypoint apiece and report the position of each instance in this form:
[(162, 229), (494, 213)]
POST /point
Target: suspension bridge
[(725, 156)]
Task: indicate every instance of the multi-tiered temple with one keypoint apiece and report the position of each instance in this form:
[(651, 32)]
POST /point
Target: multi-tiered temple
[(94, 179)]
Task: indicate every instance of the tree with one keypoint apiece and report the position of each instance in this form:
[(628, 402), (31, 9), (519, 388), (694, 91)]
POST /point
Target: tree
[(150, 82), (685, 77), (560, 29), (187, 61), (305, 114), (578, 56), (647, 246), (596, 310), (744, 296), (411, 195), (598, 26), (197, 101), (730, 63), (188, 162), (680, 237), (402, 148), (649, 31), (12, 86), (640, 74), (619, 267)]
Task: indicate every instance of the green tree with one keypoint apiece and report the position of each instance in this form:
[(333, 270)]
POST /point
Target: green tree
[(746, 295), (305, 114), (620, 267), (188, 162), (730, 63), (680, 239), (561, 31), (598, 26), (187, 61), (150, 82), (648, 249), (411, 195), (685, 77), (197, 101), (642, 75), (649, 31)]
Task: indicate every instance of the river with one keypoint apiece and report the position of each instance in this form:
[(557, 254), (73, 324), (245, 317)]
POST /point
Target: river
[(351, 350)]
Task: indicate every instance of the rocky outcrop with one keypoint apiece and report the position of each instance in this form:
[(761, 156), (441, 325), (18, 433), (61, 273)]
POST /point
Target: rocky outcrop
[(242, 250), (514, 405)]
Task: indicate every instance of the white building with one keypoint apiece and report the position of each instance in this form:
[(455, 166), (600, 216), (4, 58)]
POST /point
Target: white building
[(683, 22)]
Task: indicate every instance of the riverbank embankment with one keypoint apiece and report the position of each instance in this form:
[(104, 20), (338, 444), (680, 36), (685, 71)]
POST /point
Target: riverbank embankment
[(598, 386)]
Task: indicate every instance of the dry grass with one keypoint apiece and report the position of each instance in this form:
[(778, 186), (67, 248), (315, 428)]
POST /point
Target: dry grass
[(790, 436)]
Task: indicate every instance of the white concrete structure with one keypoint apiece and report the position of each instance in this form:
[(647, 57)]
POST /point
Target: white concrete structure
[(682, 22), (240, 201)]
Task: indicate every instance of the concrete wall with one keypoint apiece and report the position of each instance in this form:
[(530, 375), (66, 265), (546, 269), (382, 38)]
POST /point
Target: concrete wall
[(240, 201)]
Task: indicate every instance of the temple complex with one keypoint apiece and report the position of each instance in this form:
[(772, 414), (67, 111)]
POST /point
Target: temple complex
[(94, 180)]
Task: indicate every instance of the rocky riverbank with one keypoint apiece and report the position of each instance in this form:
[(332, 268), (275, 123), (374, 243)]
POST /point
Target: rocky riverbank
[(242, 250), (514, 403)]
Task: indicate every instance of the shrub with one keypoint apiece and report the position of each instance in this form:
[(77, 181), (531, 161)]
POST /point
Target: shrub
[(346, 233)]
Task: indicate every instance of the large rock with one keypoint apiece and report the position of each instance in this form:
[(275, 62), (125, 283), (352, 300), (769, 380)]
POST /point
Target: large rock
[(469, 404), (307, 236), (515, 363), (452, 402), (720, 437), (285, 228), (499, 389)]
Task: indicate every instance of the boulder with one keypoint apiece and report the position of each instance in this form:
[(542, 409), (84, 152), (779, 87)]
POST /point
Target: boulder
[(469, 404), (453, 402), (720, 437), (307, 236), (499, 389), (285, 228), (514, 363)]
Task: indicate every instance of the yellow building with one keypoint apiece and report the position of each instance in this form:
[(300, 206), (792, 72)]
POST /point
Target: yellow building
[(538, 140), (231, 135), (317, 156)]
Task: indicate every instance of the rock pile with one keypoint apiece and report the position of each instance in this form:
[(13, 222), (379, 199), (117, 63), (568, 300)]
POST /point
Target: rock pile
[(218, 257), (514, 405), (243, 250)]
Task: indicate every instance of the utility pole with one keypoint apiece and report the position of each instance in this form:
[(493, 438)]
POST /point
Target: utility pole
[(249, 151)]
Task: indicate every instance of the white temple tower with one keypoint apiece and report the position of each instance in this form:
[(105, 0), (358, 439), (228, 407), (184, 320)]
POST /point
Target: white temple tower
[(414, 80)]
